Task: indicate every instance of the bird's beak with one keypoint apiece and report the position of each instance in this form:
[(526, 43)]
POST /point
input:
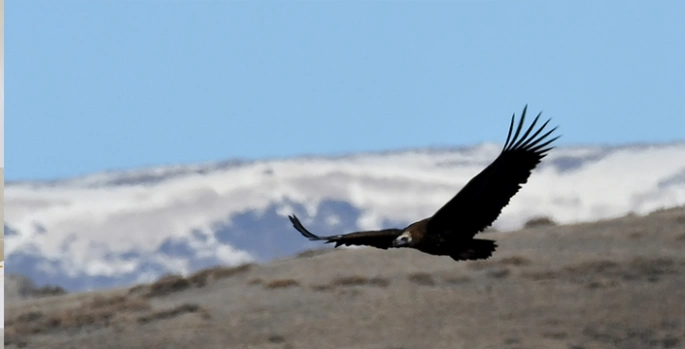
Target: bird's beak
[(399, 242)]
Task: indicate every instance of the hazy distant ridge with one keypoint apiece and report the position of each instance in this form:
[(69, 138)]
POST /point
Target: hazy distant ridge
[(119, 227)]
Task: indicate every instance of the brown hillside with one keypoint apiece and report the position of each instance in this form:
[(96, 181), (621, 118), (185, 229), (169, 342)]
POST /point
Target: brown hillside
[(610, 284)]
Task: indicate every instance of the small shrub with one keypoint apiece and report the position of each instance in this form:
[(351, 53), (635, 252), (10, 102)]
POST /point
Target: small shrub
[(515, 260), (322, 288), (201, 277), (480, 265), (543, 275), (511, 340), (499, 273), (596, 266), (167, 285), (222, 273), (311, 253), (423, 279), (118, 303), (46, 291), (670, 342), (171, 313), (636, 234), (256, 281), (276, 338), (560, 335), (380, 282), (455, 280), (538, 222), (137, 289), (281, 283), (350, 281), (664, 209), (357, 280)]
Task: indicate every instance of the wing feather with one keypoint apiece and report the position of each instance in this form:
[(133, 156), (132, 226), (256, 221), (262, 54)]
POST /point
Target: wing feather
[(376, 238), (481, 201)]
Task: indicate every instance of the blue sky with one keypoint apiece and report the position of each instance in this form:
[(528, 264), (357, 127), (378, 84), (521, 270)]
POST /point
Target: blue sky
[(98, 85)]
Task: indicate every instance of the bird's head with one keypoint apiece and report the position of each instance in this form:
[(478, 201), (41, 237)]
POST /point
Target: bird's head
[(404, 240)]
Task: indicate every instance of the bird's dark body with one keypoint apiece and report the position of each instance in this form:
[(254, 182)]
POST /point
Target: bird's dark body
[(451, 230)]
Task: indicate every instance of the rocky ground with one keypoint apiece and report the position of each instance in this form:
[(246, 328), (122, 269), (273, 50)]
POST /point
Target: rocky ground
[(610, 284)]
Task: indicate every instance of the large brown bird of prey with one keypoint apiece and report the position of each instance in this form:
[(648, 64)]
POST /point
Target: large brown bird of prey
[(451, 230)]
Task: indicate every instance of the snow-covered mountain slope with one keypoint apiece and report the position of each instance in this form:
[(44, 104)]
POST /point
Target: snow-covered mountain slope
[(115, 228)]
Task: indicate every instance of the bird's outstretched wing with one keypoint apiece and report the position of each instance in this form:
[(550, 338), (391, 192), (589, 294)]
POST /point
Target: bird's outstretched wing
[(481, 201), (376, 238)]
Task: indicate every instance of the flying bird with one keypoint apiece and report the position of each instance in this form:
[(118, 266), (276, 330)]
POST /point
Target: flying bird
[(451, 230)]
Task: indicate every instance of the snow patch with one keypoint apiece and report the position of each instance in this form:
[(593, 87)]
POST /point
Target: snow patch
[(86, 220)]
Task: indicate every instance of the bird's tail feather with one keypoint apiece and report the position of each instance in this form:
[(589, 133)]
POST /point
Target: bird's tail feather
[(474, 250)]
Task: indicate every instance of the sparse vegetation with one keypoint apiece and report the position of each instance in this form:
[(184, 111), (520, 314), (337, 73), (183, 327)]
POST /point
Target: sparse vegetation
[(607, 273), (620, 336), (175, 283), (665, 209), (137, 289), (26, 288), (173, 312), (680, 219), (100, 311)]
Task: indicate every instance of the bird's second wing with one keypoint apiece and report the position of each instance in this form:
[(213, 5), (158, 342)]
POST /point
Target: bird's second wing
[(375, 238), (481, 201)]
